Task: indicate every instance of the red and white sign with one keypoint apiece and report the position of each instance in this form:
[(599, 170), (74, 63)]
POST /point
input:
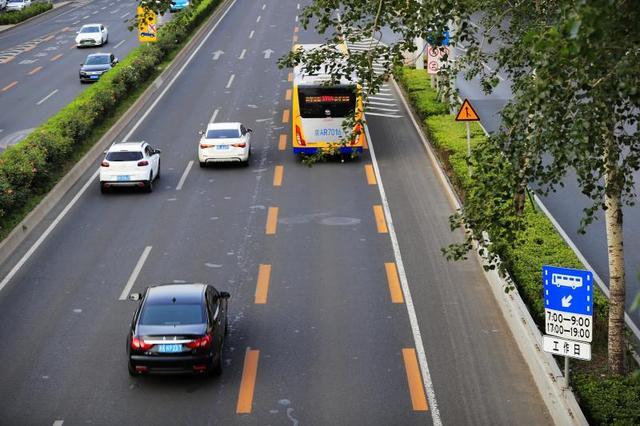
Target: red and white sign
[(435, 57)]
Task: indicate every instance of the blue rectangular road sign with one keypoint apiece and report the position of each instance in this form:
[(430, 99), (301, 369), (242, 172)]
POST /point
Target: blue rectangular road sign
[(568, 290)]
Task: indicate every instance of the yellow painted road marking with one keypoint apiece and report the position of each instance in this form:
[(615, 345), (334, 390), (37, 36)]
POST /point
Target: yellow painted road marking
[(282, 143), (371, 176), (262, 288), (55, 58), (380, 222), (296, 29), (285, 116), (394, 283), (248, 382), (49, 37), (272, 220), (418, 398), (295, 38), (9, 86), (35, 70), (288, 95), (290, 77), (73, 46), (277, 176)]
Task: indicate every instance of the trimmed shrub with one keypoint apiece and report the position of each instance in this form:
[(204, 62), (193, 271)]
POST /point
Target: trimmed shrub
[(17, 16)]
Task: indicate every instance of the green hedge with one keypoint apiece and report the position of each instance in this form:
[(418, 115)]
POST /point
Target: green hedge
[(613, 400), (17, 16), (31, 167)]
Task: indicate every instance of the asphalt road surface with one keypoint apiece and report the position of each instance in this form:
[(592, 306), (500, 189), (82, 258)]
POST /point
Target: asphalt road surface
[(39, 62), (355, 301)]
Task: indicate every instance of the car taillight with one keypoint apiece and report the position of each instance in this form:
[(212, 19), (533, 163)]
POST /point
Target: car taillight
[(143, 163), (202, 342), (299, 137), (205, 145), (239, 145), (140, 345), (105, 163)]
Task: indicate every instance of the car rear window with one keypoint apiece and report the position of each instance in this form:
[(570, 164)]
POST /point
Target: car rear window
[(172, 314), (90, 30), (124, 156), (223, 133)]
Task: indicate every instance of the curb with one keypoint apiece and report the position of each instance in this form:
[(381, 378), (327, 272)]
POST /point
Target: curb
[(560, 401), (23, 229), (55, 6)]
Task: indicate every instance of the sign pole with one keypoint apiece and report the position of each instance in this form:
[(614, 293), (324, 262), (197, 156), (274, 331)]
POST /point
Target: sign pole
[(566, 372), (468, 140)]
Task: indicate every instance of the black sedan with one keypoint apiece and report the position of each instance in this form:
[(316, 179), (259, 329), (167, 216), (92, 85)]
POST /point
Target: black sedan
[(95, 65), (178, 328)]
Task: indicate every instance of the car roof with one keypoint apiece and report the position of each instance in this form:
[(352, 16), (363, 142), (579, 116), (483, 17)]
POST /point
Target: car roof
[(227, 125), (98, 54), (182, 293), (90, 25), (126, 146)]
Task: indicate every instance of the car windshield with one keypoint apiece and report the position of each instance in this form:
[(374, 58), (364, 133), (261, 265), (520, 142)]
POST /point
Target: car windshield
[(172, 314), (89, 30), (223, 133), (97, 60), (124, 156)]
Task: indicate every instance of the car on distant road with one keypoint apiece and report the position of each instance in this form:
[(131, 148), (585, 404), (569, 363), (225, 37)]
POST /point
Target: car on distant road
[(15, 5), (177, 5), (3, 4), (92, 35), (178, 328), (225, 142), (132, 164), (95, 65)]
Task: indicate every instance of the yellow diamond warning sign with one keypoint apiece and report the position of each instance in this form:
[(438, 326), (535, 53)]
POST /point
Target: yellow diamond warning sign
[(467, 113), (147, 28)]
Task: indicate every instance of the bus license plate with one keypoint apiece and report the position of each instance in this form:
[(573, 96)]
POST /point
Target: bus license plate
[(169, 348)]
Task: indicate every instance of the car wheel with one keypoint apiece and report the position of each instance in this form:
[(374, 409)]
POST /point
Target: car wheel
[(158, 174), (103, 188), (203, 164), (216, 366), (106, 40), (148, 185)]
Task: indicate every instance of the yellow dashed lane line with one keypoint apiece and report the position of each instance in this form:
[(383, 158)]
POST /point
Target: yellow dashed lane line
[(248, 381), (285, 116), (262, 287), (371, 176), (394, 283), (282, 143), (272, 221), (277, 175), (8, 86), (35, 70), (418, 397), (381, 223)]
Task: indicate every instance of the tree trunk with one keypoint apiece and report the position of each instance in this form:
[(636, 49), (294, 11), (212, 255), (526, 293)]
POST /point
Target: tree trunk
[(613, 220)]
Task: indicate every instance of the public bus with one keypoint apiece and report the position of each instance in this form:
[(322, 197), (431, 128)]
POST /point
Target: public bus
[(319, 110)]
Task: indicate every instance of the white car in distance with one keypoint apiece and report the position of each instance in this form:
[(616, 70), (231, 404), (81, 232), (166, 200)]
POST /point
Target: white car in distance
[(15, 5), (92, 35), (133, 164), (225, 142)]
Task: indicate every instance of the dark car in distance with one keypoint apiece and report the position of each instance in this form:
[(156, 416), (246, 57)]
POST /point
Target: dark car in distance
[(95, 65), (178, 328)]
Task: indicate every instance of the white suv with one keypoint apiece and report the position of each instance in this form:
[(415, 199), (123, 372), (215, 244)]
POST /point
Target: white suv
[(130, 164)]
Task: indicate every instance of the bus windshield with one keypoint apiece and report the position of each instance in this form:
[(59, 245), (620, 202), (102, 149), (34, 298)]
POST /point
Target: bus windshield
[(321, 102)]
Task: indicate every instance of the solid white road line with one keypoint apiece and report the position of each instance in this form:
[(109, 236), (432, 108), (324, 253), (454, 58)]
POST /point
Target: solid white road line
[(251, 34), (408, 301), (184, 175), (179, 73), (85, 17), (41, 101), (383, 115), (48, 231), (119, 44), (113, 12), (381, 103), (242, 54), (125, 15), (135, 273), (215, 114), (264, 6), (258, 19), (383, 109), (58, 423), (230, 82)]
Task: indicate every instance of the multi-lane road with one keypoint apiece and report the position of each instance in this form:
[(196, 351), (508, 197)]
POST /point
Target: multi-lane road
[(342, 309)]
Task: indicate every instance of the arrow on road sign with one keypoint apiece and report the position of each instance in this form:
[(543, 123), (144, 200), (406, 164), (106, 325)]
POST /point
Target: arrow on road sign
[(216, 54), (267, 53), (566, 301), (467, 113)]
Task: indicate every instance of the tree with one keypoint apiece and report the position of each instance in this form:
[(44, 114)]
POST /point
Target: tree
[(575, 73)]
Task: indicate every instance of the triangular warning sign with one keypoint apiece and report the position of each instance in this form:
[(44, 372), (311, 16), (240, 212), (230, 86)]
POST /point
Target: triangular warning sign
[(467, 113)]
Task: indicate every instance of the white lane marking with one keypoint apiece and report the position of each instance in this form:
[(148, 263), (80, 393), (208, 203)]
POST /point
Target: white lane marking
[(296, 18), (258, 19), (184, 176), (119, 44), (179, 73), (215, 114), (242, 54), (113, 12), (383, 115), (230, 82), (103, 7), (41, 101), (93, 177), (75, 23), (58, 423), (251, 34), (48, 231), (382, 97), (381, 103), (125, 15), (383, 109), (135, 273), (112, 3), (94, 12), (264, 6), (408, 301), (298, 6), (85, 17)]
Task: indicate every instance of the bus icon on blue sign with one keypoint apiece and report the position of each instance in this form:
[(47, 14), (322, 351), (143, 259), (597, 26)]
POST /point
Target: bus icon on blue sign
[(568, 290)]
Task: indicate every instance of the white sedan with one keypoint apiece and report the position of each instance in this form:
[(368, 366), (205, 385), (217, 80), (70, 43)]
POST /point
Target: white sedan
[(92, 35), (225, 142), (134, 164), (13, 5)]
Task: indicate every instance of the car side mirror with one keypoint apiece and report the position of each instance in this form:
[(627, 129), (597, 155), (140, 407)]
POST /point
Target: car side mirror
[(201, 132), (225, 294), (250, 130), (135, 296), (157, 151)]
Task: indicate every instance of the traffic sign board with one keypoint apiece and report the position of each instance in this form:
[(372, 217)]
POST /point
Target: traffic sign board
[(568, 303), (147, 25), (467, 113), (570, 348), (435, 58)]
